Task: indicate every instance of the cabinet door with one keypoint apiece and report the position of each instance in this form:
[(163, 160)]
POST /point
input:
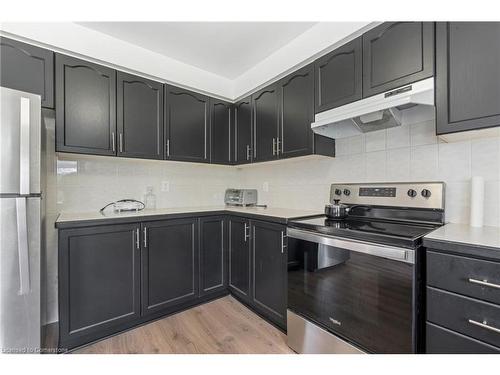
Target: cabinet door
[(27, 68), (269, 271), (296, 113), (338, 76), (85, 107), (99, 282), (169, 264), (213, 254), (239, 257), (139, 116), (396, 54), (265, 120), (221, 132), (467, 76), (243, 131), (187, 120)]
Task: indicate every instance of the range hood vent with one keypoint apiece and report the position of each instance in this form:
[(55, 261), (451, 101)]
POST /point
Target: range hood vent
[(378, 112)]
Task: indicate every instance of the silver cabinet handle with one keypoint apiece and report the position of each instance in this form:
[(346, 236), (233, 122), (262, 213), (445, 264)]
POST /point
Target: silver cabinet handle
[(248, 152), (247, 235), (22, 246), (24, 147), (484, 325), (137, 240), (283, 246), (274, 146), (278, 150), (145, 233), (121, 142), (168, 147), (113, 142), (484, 283)]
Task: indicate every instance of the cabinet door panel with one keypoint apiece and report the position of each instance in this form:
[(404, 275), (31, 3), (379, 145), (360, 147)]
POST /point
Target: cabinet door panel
[(99, 280), (467, 76), (85, 107), (27, 68), (213, 257), (395, 54), (221, 132), (239, 257), (269, 270), (187, 117), (139, 117), (265, 117), (338, 76), (296, 113), (169, 264), (243, 131)]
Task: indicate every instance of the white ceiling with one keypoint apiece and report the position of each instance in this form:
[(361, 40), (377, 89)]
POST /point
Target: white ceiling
[(227, 49)]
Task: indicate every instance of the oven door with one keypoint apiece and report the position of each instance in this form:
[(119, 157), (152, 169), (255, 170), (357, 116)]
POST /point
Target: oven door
[(362, 293)]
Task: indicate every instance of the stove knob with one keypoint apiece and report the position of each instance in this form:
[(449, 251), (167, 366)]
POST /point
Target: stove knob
[(347, 192), (426, 193), (412, 193), (338, 192)]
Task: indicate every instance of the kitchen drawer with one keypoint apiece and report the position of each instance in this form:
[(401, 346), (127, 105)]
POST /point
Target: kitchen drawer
[(458, 313), (440, 340), (463, 275)]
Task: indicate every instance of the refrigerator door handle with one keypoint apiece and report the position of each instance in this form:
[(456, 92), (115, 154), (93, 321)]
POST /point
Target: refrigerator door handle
[(24, 147), (22, 246)]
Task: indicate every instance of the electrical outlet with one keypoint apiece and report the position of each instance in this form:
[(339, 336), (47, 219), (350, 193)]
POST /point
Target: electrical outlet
[(265, 186), (165, 186)]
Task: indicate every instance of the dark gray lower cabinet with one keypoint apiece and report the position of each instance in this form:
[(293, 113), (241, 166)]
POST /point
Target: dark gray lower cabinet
[(239, 257), (213, 254), (169, 263), (28, 68), (467, 76), (269, 270), (99, 282)]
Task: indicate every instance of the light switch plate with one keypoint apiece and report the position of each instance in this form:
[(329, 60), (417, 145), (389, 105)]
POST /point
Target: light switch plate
[(165, 186)]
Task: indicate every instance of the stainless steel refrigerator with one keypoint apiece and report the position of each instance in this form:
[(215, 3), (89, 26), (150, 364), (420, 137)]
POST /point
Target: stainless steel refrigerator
[(20, 221)]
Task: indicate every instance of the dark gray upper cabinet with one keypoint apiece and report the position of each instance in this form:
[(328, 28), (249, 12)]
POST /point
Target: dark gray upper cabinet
[(187, 117), (139, 116), (269, 276), (243, 131), (27, 68), (221, 132), (213, 254), (296, 113), (99, 281), (239, 257), (265, 123), (169, 264), (467, 76), (396, 54), (338, 76), (85, 107)]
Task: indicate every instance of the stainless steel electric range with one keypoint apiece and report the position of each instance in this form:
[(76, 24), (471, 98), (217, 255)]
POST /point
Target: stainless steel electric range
[(355, 283)]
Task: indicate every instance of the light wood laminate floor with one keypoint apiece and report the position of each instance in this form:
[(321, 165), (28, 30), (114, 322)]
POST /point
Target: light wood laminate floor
[(223, 326)]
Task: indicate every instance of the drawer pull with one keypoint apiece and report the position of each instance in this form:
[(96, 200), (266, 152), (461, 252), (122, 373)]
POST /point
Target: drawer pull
[(484, 325), (484, 283)]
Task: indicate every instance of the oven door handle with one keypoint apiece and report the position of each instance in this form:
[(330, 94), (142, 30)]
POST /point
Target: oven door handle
[(389, 252)]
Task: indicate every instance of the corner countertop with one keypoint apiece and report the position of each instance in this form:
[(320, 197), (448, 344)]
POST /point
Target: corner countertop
[(462, 238), (282, 215)]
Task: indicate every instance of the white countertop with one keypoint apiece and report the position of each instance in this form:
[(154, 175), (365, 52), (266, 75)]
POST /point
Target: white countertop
[(465, 234), (285, 213)]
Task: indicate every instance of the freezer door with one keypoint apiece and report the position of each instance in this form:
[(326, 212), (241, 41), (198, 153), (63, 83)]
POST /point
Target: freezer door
[(20, 128), (19, 275)]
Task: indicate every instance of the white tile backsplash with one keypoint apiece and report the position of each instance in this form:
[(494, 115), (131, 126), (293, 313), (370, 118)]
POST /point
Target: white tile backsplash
[(375, 141)]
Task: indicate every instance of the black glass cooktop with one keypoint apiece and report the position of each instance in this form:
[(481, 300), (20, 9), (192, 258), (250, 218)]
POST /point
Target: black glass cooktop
[(370, 230)]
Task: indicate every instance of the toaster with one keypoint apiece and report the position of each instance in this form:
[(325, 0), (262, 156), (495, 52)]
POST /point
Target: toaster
[(241, 197)]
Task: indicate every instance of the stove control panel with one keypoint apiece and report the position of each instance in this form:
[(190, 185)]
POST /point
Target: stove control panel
[(408, 194)]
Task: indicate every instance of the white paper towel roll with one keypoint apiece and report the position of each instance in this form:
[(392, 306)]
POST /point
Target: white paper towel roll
[(477, 201)]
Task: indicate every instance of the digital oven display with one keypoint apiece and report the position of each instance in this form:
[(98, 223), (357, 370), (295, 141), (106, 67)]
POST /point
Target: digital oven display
[(377, 192)]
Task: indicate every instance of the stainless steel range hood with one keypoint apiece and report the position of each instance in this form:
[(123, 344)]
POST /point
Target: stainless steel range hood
[(378, 112)]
